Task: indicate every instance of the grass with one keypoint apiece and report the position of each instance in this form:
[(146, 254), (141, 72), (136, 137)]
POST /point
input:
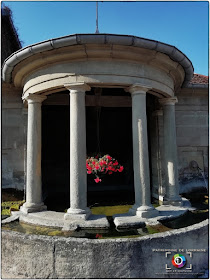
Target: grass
[(7, 206), (110, 210), (206, 200)]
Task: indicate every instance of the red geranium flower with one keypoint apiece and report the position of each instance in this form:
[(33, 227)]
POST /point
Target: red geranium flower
[(89, 167), (121, 168), (97, 180), (98, 235), (102, 162), (102, 165)]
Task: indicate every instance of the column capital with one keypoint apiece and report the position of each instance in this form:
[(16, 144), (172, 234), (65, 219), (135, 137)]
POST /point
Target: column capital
[(138, 89), (34, 98), (78, 87), (168, 101)]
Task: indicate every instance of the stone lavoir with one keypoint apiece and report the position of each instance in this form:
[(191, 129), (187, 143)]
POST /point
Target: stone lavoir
[(147, 74)]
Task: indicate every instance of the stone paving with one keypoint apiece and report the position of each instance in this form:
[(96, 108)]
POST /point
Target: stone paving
[(56, 219), (127, 220), (164, 212)]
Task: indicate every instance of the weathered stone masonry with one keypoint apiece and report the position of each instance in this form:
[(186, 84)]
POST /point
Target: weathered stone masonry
[(79, 62)]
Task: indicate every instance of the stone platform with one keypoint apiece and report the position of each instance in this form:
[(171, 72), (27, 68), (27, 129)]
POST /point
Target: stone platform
[(56, 219), (127, 220), (164, 212)]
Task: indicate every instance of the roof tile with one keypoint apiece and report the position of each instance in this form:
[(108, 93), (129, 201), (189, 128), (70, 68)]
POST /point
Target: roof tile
[(199, 79)]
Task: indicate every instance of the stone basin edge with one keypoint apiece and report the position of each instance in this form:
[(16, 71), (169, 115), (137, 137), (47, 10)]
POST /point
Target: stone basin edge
[(204, 224)]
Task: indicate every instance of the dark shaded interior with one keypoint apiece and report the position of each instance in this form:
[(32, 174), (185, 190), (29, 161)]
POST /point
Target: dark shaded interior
[(55, 156), (108, 131)]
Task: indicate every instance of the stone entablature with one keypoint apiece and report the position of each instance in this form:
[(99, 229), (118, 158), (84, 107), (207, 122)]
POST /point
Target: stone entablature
[(98, 59), (113, 73)]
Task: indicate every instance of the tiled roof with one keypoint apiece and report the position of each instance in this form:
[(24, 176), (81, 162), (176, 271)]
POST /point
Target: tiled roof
[(199, 79)]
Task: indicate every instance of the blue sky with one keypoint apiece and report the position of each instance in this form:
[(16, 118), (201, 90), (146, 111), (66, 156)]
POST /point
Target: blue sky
[(181, 24)]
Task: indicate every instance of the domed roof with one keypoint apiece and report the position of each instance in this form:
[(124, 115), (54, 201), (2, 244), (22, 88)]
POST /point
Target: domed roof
[(100, 39)]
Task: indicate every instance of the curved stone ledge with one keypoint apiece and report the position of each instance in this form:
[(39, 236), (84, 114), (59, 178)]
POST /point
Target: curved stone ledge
[(93, 73), (33, 256), (100, 39)]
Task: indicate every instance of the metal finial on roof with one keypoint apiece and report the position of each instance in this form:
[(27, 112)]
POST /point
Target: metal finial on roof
[(97, 31)]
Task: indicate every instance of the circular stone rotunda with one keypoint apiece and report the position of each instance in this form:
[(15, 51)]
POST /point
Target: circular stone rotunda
[(147, 74), (77, 63)]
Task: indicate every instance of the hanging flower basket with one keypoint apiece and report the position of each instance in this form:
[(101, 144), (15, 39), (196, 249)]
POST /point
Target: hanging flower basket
[(102, 165)]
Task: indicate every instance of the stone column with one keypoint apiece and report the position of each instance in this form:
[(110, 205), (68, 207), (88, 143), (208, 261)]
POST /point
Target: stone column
[(170, 152), (78, 173), (33, 177), (156, 149), (142, 206)]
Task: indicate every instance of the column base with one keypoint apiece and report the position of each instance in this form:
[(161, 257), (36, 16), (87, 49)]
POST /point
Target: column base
[(175, 202), (77, 214), (93, 222), (32, 207), (143, 211), (182, 202)]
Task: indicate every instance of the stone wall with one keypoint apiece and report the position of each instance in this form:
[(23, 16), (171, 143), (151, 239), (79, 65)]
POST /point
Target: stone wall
[(192, 139), (14, 118), (192, 143), (33, 256)]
